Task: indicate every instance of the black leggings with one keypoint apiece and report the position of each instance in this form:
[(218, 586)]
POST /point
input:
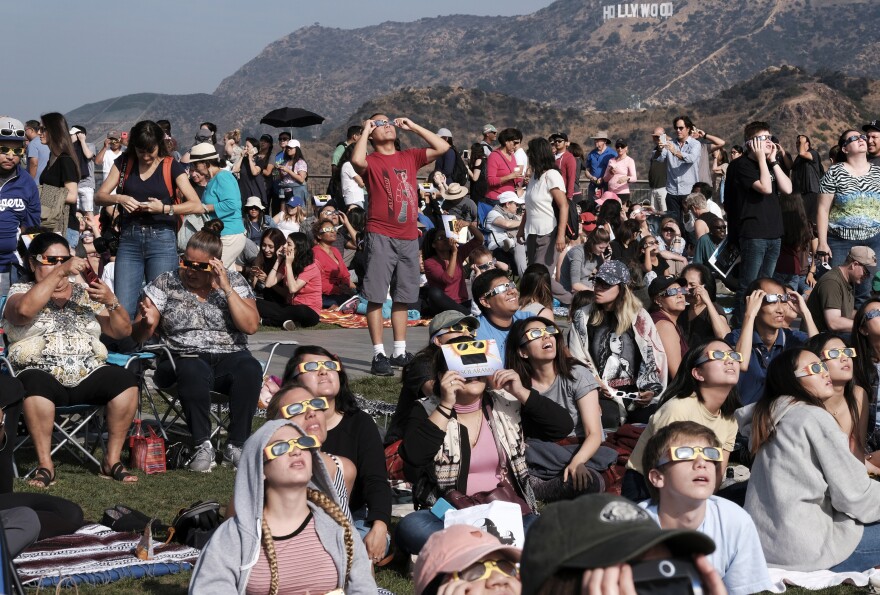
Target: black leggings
[(274, 314), (435, 301), (11, 398)]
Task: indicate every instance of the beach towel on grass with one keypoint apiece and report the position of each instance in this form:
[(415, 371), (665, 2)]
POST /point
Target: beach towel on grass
[(97, 555), (359, 320)]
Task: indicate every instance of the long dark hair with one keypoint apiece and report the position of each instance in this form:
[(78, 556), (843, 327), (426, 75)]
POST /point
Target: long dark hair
[(534, 286), (297, 155), (345, 400), (430, 237), (684, 384), (816, 344), (781, 383), (865, 371), (797, 233), (303, 255), (477, 153), (345, 158), (609, 213), (562, 364), (278, 239), (541, 157), (706, 279), (58, 138), (268, 152), (146, 135)]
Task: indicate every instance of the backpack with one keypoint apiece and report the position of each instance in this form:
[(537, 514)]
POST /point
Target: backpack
[(166, 175), (194, 525), (459, 170)]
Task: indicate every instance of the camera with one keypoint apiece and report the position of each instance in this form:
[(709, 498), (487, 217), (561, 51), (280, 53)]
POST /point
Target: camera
[(667, 577)]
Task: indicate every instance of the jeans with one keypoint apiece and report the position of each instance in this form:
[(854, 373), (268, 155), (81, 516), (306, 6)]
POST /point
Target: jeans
[(673, 207), (363, 527), (759, 258), (145, 252), (840, 249), (866, 554), (415, 528), (796, 283), (72, 237), (4, 283), (237, 375)]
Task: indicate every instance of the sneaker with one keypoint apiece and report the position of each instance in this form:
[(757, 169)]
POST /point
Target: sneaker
[(381, 366), (204, 459), (231, 455), (289, 325), (399, 361)]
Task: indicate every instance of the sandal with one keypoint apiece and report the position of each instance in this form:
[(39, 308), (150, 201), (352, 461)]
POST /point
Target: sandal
[(119, 473), (43, 478)]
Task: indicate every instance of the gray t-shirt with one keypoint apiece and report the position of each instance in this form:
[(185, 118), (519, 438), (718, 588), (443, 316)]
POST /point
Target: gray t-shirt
[(566, 392), (89, 181)]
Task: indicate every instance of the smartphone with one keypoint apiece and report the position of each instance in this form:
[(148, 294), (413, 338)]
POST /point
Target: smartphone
[(89, 274), (663, 139)]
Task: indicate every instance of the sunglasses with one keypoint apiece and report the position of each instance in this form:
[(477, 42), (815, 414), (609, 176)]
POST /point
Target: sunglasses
[(331, 365), (488, 265), (294, 409), (327, 230), (870, 315), (670, 230), (854, 138), (772, 298), (12, 132), (498, 289), (762, 137), (681, 127), (482, 570), (557, 141), (204, 267), (735, 356), (17, 151), (674, 291), (51, 260), (812, 370), (838, 353), (690, 453), (455, 328), (277, 449), (536, 333), (381, 123)]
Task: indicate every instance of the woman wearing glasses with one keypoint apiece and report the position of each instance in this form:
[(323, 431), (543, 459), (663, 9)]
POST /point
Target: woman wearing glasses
[(62, 171), (668, 303), (814, 506), (353, 434), (704, 392), (292, 296), (54, 326), (336, 283), (286, 535), (444, 257), (559, 470), (204, 313), (848, 212)]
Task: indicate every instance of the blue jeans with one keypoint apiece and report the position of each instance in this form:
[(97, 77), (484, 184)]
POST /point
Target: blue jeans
[(145, 252), (72, 237), (415, 528), (363, 527), (796, 283), (839, 250), (866, 554), (759, 258)]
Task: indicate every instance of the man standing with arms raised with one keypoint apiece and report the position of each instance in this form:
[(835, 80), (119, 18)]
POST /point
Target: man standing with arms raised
[(682, 157), (391, 244)]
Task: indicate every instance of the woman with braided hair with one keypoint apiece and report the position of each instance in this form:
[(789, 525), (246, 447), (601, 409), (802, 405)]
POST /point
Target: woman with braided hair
[(289, 534)]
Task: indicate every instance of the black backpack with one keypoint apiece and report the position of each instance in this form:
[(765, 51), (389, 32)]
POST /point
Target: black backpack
[(194, 525), (459, 170)]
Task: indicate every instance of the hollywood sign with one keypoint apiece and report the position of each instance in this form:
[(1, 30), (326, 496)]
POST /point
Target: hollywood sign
[(637, 10)]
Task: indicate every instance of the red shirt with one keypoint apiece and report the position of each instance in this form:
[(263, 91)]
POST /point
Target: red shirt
[(454, 287), (393, 208), (310, 294), (497, 166), (335, 277), (569, 169)]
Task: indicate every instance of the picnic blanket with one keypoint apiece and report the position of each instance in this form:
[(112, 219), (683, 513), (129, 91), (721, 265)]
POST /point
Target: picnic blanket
[(353, 320), (822, 579), (97, 555)]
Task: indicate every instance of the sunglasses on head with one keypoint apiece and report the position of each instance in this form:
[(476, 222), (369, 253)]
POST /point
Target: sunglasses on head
[(281, 447), (536, 333), (772, 298), (17, 151), (854, 138), (204, 267), (838, 353), (487, 265), (690, 453), (331, 365), (12, 132), (482, 570), (294, 409), (673, 291), (455, 328), (719, 355), (812, 370), (498, 289), (51, 260)]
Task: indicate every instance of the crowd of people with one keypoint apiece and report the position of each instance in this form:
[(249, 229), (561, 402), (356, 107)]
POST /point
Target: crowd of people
[(725, 325)]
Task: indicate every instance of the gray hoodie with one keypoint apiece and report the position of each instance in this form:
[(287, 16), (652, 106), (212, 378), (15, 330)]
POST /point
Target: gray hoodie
[(808, 495), (225, 564)]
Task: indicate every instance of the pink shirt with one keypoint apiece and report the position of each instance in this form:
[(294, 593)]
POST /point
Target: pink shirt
[(499, 165), (310, 294), (335, 277), (484, 471), (620, 167)]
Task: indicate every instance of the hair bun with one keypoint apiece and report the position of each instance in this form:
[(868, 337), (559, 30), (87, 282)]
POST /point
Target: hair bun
[(214, 226)]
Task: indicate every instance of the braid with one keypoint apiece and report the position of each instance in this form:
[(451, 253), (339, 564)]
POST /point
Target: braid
[(269, 546), (333, 510)]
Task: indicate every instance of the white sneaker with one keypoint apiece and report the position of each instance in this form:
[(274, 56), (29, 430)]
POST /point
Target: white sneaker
[(289, 325), (231, 455), (204, 459)]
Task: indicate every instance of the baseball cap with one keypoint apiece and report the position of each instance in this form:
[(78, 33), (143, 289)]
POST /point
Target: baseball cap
[(77, 129), (560, 135), (203, 134), (114, 134), (202, 152), (451, 318), (11, 129), (597, 531), (510, 196), (661, 284), (296, 201), (456, 548), (864, 256), (588, 221), (489, 128), (613, 272), (872, 125), (292, 143), (444, 133)]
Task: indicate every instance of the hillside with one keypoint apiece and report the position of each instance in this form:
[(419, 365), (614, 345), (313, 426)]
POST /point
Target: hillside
[(566, 55)]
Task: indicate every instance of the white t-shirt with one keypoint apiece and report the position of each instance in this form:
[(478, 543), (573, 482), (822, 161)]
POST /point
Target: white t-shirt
[(540, 219), (738, 556), (352, 194), (498, 232), (110, 158), (521, 159), (713, 208), (108, 274)]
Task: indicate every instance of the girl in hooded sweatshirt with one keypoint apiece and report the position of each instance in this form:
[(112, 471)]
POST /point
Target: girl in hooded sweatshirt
[(288, 534)]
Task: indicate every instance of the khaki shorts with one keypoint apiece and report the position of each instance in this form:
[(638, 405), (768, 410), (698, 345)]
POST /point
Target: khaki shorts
[(391, 263)]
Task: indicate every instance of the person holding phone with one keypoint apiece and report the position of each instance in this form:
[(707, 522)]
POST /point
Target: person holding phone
[(204, 313)]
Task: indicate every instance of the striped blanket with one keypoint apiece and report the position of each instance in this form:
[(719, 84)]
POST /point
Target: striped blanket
[(359, 320), (95, 554)]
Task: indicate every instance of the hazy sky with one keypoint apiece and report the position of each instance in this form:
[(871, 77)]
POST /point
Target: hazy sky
[(71, 52)]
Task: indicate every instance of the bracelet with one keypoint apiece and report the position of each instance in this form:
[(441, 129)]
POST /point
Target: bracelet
[(171, 211), (227, 293), (114, 306), (446, 415)]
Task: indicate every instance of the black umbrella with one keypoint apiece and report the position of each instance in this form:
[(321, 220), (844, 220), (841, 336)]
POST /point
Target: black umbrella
[(291, 117)]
